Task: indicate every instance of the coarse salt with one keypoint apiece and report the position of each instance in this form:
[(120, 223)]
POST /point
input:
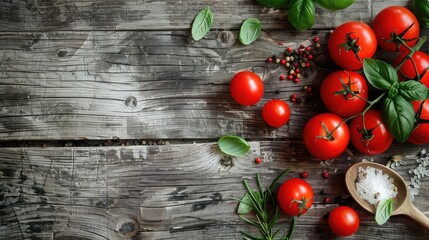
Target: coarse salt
[(374, 186)]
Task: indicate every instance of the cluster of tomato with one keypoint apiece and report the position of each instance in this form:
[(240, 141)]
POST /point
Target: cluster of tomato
[(345, 92)]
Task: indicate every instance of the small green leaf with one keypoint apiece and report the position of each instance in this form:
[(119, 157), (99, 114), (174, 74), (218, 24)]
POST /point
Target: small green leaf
[(380, 75), (233, 146), (291, 228), (335, 4), (421, 10), (245, 205), (250, 31), (384, 211), (393, 90), (301, 14), (413, 90), (398, 115), (202, 24)]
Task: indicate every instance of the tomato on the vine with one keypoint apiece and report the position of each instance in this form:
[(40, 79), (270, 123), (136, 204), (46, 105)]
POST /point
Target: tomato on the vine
[(336, 95), (326, 136), (246, 88), (276, 113), (344, 221), (376, 139), (420, 134), (408, 69), (351, 43), (394, 21), (295, 197)]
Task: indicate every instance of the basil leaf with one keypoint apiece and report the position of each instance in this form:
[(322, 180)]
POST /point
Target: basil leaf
[(233, 146), (202, 24), (421, 10), (393, 90), (398, 115), (384, 211), (245, 205), (301, 14), (249, 31), (380, 75), (335, 4), (413, 90)]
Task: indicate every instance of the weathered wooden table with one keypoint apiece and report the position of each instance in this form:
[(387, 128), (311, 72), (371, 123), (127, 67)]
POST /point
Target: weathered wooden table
[(110, 113)]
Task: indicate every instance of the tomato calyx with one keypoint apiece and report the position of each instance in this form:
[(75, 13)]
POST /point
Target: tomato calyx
[(347, 89), (328, 135), (302, 205), (399, 39), (367, 135), (351, 44)]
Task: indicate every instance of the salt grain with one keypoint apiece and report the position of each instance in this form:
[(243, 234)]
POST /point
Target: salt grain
[(374, 186)]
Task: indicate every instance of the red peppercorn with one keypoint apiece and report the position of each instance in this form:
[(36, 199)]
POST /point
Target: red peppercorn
[(297, 70), (310, 57), (307, 65), (325, 174), (316, 39), (282, 77), (296, 80), (290, 77), (309, 89), (308, 48), (327, 200), (289, 49), (258, 160), (283, 62), (295, 64), (304, 174), (270, 60)]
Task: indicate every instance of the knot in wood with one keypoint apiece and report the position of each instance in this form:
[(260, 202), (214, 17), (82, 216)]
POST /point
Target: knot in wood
[(225, 37), (127, 227), (61, 52), (131, 102)]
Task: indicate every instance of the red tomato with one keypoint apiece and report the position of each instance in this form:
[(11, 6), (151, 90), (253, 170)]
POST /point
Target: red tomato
[(407, 70), (246, 88), (395, 19), (276, 113), (377, 138), (295, 197), (344, 221), (351, 43), (335, 97), (317, 140), (420, 134)]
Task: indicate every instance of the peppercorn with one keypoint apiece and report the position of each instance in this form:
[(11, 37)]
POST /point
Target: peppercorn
[(289, 49), (296, 80), (316, 39), (307, 65), (283, 62), (310, 57), (258, 160), (325, 174), (327, 200), (277, 60), (290, 77), (282, 77), (304, 174)]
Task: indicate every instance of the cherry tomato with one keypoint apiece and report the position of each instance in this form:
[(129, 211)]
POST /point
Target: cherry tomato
[(376, 139), (246, 88), (273, 3), (276, 113), (343, 221), (395, 19), (295, 197), (321, 140), (351, 43), (339, 101), (420, 134), (407, 70)]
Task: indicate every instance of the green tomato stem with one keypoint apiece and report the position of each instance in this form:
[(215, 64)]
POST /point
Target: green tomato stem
[(412, 50)]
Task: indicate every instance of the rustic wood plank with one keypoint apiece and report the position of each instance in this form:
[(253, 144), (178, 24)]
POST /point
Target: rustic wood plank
[(50, 15), (153, 85), (168, 192)]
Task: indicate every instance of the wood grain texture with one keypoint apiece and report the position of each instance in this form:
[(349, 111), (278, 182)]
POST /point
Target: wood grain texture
[(31, 15), (167, 192), (97, 85)]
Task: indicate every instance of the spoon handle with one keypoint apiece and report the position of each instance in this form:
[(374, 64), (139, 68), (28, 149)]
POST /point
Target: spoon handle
[(415, 214)]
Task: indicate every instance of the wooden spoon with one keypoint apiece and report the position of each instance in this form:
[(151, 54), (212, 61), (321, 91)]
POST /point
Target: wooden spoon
[(401, 203)]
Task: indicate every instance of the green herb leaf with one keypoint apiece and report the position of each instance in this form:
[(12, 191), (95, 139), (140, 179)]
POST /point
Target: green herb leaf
[(245, 205), (335, 4), (384, 211), (291, 228), (421, 10), (380, 75), (301, 14), (250, 31), (274, 3), (413, 90), (398, 115), (202, 24), (393, 90), (233, 146)]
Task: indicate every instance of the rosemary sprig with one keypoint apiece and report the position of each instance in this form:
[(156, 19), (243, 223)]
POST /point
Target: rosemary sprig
[(264, 206)]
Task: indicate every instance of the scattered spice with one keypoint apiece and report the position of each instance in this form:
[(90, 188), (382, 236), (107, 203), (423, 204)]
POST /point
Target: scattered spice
[(374, 186), (327, 200), (304, 174), (417, 173), (258, 160), (325, 174)]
